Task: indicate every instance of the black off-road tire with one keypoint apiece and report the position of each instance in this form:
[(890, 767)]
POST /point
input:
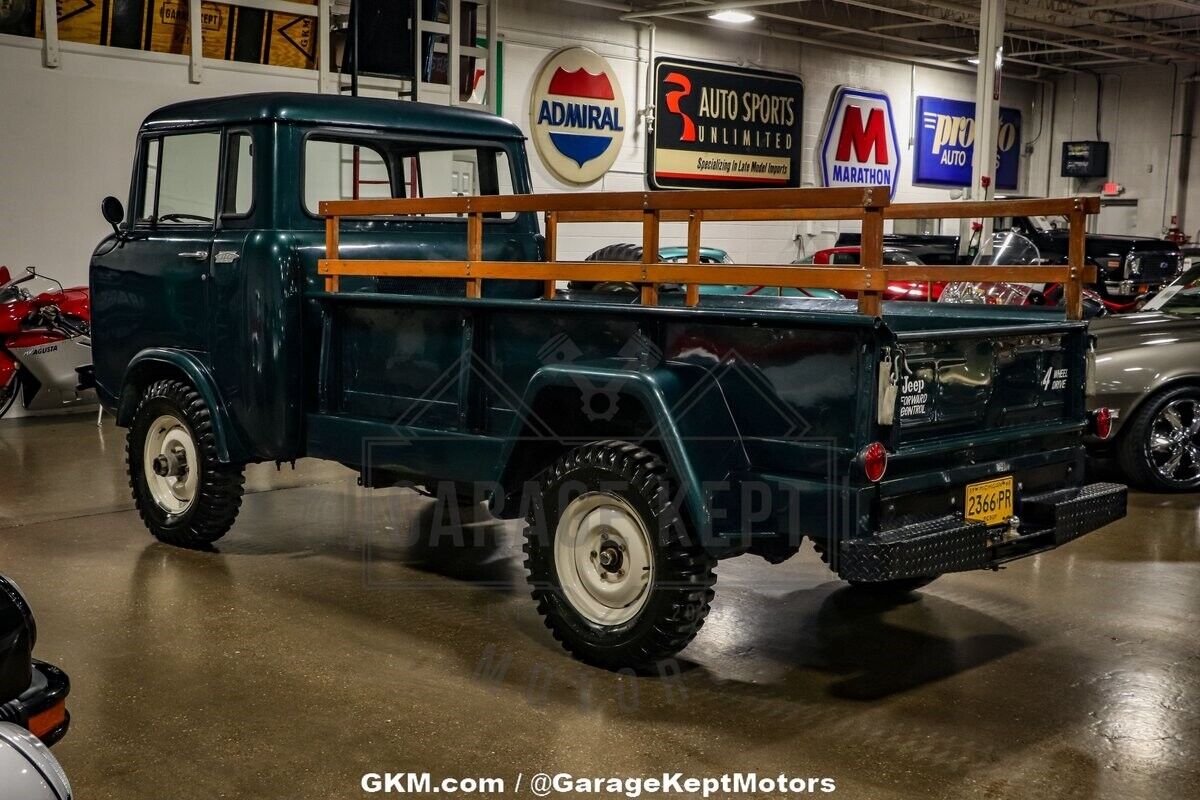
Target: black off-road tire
[(610, 252), (219, 494), (1133, 444), (682, 589)]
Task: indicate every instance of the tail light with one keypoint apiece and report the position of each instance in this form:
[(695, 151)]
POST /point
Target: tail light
[(874, 461), (1101, 422)]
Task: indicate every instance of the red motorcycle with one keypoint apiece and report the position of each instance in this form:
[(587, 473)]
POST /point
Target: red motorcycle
[(45, 345)]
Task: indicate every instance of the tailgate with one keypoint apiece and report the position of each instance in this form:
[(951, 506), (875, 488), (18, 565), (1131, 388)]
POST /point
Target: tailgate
[(974, 381)]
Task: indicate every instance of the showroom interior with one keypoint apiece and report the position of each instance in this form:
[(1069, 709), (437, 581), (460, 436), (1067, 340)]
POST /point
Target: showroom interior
[(581, 398)]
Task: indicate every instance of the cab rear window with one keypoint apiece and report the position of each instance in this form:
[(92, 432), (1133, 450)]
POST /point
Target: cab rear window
[(343, 168)]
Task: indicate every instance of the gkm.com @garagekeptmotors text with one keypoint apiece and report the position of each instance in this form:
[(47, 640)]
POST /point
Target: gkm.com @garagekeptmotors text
[(555, 784)]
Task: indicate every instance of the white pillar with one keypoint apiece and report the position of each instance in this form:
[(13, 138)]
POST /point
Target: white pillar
[(987, 112)]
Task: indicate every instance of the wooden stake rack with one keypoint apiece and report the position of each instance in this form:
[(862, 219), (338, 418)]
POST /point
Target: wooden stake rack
[(869, 278)]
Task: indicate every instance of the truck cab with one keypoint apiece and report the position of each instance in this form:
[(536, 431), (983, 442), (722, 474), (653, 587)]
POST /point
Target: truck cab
[(416, 336), (220, 238)]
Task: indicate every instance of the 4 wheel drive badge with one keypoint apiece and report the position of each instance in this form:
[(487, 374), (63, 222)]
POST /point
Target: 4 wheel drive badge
[(577, 115)]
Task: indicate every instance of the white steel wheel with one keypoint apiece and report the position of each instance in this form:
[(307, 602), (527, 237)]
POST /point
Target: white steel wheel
[(604, 558), (170, 464)]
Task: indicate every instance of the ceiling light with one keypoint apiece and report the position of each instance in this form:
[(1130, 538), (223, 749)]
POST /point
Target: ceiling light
[(731, 16), (973, 60)]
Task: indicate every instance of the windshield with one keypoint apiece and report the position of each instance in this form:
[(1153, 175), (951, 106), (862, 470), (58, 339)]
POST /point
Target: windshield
[(1046, 224), (1180, 297), (1011, 249)]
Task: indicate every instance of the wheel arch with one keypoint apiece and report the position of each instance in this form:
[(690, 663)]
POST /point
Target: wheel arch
[(154, 364), (700, 446), (1158, 390)]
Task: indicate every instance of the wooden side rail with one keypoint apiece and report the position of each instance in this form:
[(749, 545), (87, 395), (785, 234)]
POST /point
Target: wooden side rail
[(869, 205)]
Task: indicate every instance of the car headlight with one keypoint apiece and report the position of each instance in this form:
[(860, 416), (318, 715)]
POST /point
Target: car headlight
[(10, 589), (28, 768)]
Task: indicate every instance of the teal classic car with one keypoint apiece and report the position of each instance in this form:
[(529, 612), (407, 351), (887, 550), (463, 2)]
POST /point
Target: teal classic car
[(642, 442), (707, 255)]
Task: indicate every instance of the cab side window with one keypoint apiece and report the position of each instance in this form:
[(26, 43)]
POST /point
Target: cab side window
[(239, 175), (179, 186)]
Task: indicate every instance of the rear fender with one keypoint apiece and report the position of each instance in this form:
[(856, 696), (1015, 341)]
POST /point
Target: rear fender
[(684, 416), (155, 364)]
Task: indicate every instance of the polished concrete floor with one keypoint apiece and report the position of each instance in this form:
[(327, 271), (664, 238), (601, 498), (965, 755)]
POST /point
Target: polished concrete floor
[(315, 644)]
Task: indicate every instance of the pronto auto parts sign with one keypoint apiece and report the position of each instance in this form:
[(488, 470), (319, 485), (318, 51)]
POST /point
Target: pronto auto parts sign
[(945, 143), (859, 145), (577, 115), (722, 127)]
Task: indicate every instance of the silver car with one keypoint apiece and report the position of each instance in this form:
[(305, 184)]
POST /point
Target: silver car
[(1148, 370)]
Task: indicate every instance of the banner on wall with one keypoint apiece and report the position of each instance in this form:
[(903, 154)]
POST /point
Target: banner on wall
[(859, 145), (231, 33), (577, 115), (945, 143), (720, 127)]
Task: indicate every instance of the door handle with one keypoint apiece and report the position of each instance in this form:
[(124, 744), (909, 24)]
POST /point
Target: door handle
[(196, 255)]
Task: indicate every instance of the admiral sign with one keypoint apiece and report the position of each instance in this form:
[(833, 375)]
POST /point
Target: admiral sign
[(722, 127), (859, 145), (577, 115), (946, 142)]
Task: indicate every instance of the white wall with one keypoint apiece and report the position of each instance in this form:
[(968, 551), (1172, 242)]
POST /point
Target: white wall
[(1137, 106), (531, 34), (68, 140)]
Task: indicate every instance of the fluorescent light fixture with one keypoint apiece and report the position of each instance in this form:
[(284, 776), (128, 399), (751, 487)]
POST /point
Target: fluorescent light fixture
[(732, 16)]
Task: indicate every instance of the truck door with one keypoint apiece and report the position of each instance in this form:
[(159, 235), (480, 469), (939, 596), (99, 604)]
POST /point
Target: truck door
[(231, 316), (174, 218)]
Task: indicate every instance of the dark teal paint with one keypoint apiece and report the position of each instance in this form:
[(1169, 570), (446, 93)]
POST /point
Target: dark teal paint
[(406, 379)]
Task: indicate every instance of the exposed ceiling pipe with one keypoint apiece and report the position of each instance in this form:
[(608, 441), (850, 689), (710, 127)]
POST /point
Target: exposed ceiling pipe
[(1063, 30), (973, 28), (885, 55), (730, 5), (946, 48), (1160, 34), (611, 5)]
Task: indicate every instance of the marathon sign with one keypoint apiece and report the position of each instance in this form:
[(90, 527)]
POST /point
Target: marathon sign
[(945, 143), (719, 127), (859, 145)]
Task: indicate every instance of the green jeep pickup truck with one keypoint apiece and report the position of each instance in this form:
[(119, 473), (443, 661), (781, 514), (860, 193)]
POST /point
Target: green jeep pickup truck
[(642, 441)]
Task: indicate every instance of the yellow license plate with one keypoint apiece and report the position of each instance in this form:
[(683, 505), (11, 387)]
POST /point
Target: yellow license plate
[(989, 502)]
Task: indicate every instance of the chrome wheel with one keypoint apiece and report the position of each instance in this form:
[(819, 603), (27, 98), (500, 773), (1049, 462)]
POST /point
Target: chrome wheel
[(1174, 441), (604, 558), (171, 464)]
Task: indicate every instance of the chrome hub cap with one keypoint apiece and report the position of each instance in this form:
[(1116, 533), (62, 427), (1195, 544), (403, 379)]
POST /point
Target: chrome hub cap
[(1175, 441), (169, 460), (604, 558)]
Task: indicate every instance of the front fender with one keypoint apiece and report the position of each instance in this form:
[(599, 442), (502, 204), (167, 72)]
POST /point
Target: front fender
[(688, 417), (159, 361)]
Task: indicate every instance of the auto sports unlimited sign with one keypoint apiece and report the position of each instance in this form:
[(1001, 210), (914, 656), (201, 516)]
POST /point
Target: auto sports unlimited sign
[(723, 127), (946, 142), (577, 115), (859, 145)]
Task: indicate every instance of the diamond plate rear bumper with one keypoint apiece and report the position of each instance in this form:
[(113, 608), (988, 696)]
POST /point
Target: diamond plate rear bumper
[(949, 544)]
